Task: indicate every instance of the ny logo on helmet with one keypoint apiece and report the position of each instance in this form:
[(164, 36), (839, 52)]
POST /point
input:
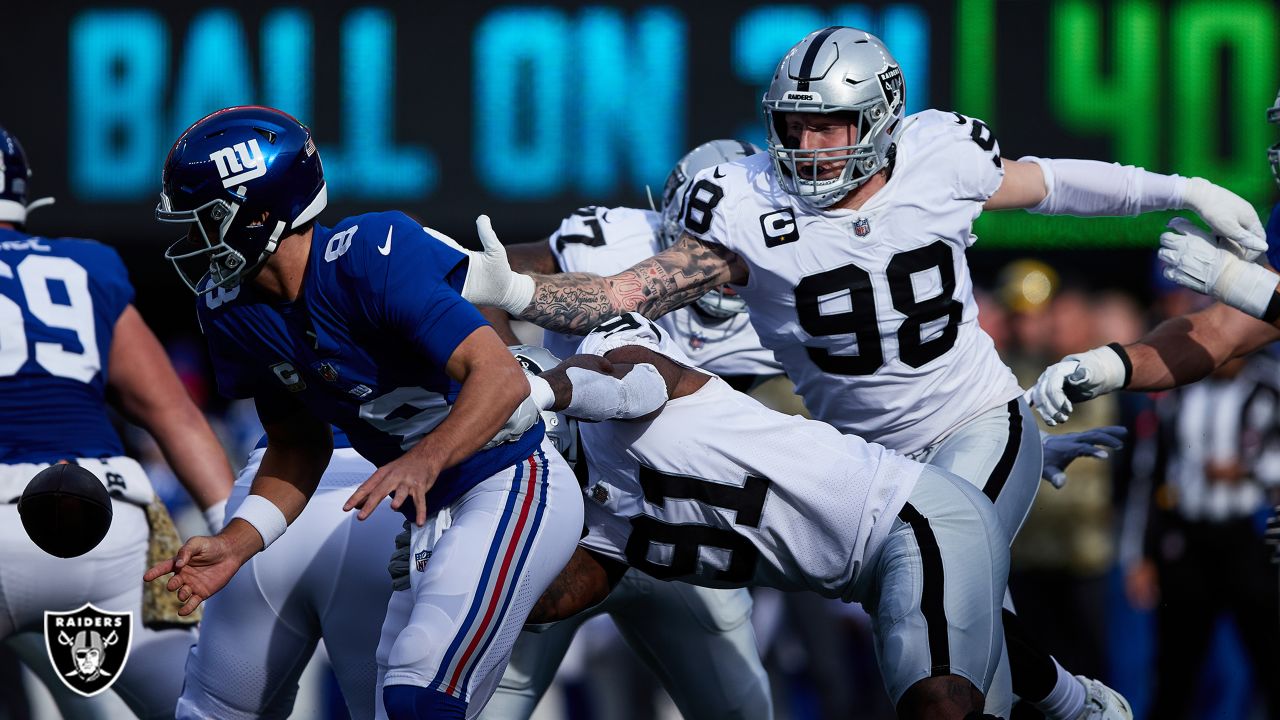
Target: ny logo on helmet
[(88, 647), (239, 163)]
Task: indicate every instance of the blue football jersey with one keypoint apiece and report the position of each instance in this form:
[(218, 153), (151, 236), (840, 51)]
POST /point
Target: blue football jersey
[(340, 441), (1273, 237), (365, 344), (59, 302)]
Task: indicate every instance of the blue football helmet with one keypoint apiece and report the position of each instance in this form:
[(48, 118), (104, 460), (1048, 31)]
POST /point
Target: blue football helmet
[(15, 173), (723, 302), (243, 178)]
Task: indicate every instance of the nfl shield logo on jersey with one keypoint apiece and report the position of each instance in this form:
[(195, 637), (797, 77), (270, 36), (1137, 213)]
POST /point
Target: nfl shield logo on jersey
[(88, 647), (420, 559), (862, 227)]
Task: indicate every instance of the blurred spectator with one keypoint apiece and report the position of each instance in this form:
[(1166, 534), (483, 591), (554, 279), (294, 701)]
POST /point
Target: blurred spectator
[(1215, 458), (1062, 556)]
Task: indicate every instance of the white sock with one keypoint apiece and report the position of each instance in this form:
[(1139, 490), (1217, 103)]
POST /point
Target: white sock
[(1066, 700)]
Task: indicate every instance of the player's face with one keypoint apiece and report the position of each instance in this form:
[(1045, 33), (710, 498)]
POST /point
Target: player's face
[(817, 131)]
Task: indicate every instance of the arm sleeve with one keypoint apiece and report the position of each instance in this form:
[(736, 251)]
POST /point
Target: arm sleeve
[(419, 291)]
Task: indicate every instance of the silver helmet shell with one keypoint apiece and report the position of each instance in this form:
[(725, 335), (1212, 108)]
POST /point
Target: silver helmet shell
[(722, 302), (835, 70)]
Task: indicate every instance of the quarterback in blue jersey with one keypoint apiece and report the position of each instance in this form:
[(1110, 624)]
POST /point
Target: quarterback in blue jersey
[(361, 325), (69, 335)]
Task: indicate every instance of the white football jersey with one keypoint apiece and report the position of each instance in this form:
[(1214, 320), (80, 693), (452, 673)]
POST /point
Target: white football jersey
[(753, 497), (871, 311), (605, 241)]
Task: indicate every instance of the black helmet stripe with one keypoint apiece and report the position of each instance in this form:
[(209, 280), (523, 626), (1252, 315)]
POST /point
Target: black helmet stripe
[(747, 148), (811, 56)]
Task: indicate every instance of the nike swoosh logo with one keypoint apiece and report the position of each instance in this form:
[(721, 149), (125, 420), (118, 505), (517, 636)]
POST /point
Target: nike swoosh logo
[(717, 173), (385, 248)]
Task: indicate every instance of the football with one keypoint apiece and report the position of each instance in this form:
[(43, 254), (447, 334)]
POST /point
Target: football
[(65, 510)]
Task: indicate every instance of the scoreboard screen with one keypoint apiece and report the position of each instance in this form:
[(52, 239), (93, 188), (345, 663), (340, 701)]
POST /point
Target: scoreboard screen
[(527, 111)]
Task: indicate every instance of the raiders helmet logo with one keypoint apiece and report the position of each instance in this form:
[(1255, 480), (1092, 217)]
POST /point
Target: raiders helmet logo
[(88, 647)]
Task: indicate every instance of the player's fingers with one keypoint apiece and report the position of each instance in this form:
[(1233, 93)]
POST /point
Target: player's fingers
[(174, 583), (420, 505), (488, 238), (374, 497), (160, 569), (190, 605), (358, 497), (1183, 225), (184, 593), (397, 497)]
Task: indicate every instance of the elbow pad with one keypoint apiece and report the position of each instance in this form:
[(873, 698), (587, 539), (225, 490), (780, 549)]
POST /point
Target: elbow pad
[(1090, 188), (599, 397)]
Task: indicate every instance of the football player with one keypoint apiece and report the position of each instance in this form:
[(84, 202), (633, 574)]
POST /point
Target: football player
[(756, 497), (361, 326), (675, 628), (848, 242), (323, 580), (69, 333)]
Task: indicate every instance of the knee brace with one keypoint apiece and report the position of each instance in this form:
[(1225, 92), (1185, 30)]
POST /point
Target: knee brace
[(410, 702)]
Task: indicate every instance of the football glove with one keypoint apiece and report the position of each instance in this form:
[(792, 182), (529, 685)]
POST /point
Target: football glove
[(1229, 215), (1213, 266), (1076, 378), (1061, 450)]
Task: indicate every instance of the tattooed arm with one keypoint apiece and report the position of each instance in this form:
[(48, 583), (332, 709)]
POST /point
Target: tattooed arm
[(576, 302)]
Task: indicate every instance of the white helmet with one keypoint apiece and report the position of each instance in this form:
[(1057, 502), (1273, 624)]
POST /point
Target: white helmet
[(835, 70), (723, 302)]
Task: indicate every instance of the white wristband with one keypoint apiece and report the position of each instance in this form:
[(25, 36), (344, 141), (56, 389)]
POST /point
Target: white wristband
[(597, 396), (215, 516), (1247, 287), (264, 516), (517, 295), (541, 393)]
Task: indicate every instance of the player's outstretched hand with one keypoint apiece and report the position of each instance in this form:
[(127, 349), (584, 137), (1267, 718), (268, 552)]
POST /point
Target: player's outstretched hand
[(490, 280), (1212, 266), (1228, 215), (1060, 450), (1078, 377), (409, 476), (202, 567)]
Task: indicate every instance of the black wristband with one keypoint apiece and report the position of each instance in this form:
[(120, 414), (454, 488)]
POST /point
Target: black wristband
[(1272, 313), (1124, 358)]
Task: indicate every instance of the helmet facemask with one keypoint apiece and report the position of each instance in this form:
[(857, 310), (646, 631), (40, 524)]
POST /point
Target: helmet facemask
[(204, 252), (800, 170)]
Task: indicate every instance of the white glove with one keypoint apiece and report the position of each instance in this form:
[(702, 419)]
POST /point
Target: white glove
[(1228, 215), (490, 280), (1076, 378), (1211, 266)]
